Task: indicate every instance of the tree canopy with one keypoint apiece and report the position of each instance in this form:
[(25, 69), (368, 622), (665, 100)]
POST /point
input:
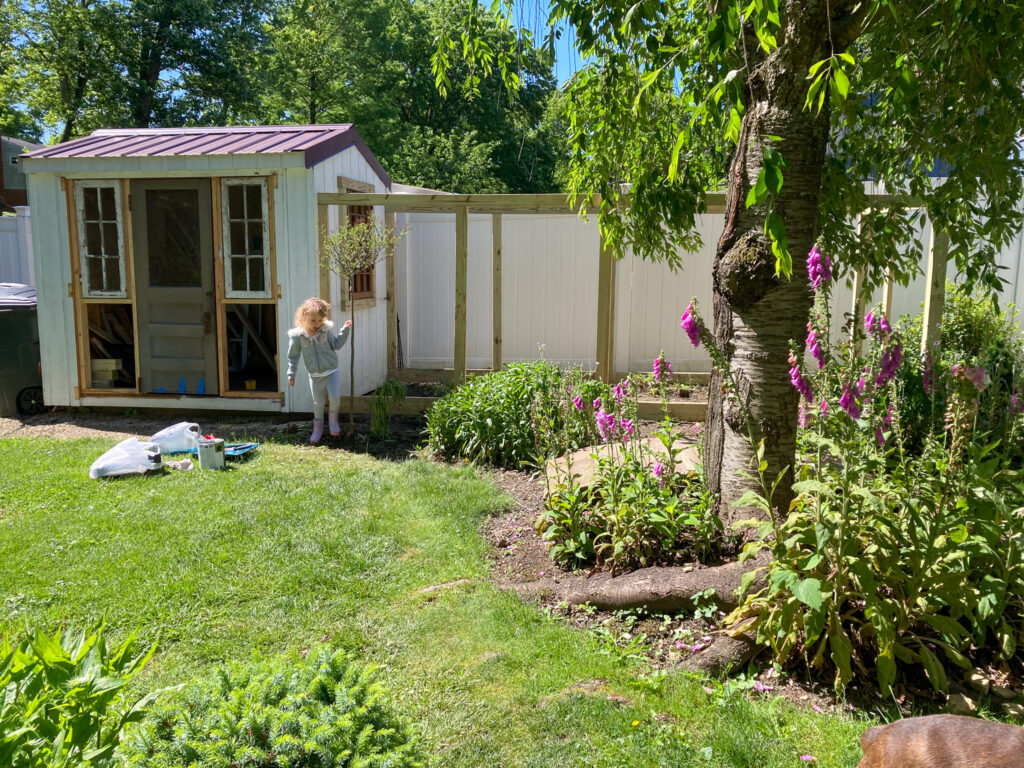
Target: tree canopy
[(68, 67)]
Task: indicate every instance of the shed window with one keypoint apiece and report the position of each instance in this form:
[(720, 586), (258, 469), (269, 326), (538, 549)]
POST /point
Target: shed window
[(362, 282), (100, 238), (246, 239)]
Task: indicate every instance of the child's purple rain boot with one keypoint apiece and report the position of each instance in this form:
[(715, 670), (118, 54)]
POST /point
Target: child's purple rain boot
[(318, 432), (332, 419)]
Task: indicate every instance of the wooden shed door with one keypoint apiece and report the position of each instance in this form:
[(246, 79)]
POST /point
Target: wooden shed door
[(173, 244)]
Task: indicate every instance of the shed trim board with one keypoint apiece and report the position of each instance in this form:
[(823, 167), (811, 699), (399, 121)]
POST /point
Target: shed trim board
[(262, 312)]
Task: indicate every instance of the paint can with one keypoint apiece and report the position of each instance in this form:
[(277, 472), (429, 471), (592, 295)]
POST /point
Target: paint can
[(211, 453)]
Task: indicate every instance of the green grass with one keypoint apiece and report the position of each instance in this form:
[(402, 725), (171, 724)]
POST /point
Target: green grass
[(299, 546)]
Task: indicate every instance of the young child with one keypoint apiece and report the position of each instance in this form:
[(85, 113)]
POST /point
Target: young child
[(313, 338)]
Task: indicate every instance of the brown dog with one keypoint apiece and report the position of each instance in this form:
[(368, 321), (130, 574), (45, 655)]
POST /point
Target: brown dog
[(943, 741)]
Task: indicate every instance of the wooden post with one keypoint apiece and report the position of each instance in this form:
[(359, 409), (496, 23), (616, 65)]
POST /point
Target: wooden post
[(392, 299), (887, 295), (461, 262), (935, 299), (322, 231), (496, 286), (605, 313), (859, 300)]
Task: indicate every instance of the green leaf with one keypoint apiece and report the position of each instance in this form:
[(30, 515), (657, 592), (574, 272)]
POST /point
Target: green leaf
[(810, 593), (842, 83), (933, 669)]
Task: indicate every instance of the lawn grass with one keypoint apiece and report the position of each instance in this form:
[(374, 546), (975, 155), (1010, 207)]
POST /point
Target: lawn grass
[(300, 546)]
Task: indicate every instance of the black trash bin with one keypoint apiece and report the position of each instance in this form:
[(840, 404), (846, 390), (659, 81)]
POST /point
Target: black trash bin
[(21, 383)]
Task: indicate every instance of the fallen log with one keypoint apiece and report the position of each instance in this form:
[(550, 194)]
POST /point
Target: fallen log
[(668, 589)]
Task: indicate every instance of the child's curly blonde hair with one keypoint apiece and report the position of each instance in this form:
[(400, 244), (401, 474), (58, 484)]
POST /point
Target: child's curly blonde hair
[(310, 309)]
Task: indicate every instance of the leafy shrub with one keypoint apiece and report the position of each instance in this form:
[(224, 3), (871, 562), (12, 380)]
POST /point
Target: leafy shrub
[(891, 558), (974, 334), (64, 700), (321, 713), (637, 510), (519, 415)]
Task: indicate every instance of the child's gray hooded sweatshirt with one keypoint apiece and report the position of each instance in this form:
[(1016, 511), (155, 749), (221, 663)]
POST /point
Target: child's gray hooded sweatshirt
[(319, 351)]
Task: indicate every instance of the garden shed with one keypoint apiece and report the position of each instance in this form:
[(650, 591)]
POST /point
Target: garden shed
[(169, 263)]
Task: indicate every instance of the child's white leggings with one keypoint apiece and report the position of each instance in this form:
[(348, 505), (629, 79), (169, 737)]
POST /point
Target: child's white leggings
[(326, 389)]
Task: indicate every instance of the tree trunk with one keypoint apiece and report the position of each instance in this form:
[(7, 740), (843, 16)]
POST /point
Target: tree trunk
[(352, 364), (758, 316)]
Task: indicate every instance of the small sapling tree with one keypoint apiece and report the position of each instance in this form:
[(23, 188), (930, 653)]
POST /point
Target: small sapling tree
[(353, 249)]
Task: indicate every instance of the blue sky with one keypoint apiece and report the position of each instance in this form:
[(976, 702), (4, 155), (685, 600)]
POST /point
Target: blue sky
[(533, 15)]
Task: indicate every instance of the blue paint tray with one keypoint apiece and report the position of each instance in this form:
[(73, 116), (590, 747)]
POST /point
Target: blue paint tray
[(232, 450)]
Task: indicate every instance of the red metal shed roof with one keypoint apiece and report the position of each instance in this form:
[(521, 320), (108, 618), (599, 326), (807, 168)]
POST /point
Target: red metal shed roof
[(317, 142)]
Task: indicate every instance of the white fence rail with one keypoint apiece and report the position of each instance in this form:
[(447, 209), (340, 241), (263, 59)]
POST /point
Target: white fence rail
[(550, 293), (16, 264)]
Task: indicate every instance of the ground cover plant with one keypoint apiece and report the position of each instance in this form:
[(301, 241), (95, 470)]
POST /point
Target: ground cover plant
[(65, 700), (324, 711), (300, 547)]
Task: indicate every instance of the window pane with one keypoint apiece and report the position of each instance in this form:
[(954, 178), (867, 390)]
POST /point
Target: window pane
[(238, 238), (107, 207), (238, 281), (255, 238), (110, 239), (92, 239), (113, 270), (253, 201), (95, 267), (172, 237), (92, 205), (236, 209), (256, 281)]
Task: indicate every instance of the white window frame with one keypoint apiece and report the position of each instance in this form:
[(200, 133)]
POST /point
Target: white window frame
[(230, 292), (88, 291)]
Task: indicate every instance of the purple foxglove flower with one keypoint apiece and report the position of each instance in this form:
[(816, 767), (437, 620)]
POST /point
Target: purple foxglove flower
[(861, 385), (883, 323), (824, 407), (978, 377), (619, 392), (869, 322), (848, 402), (605, 424), (819, 268), (813, 347), (659, 473), (626, 427), (657, 368), (803, 417), (597, 403), (879, 436), (797, 380), (578, 402), (1016, 402), (689, 323)]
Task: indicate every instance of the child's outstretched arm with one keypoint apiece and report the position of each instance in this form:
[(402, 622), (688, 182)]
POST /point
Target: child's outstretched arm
[(294, 351), (338, 341)]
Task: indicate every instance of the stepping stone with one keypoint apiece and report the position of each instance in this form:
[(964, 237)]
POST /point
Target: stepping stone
[(583, 463)]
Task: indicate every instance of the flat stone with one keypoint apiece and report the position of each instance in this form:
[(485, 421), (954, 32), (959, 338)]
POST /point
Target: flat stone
[(583, 463), (1014, 709), (1004, 692), (958, 704), (978, 681)]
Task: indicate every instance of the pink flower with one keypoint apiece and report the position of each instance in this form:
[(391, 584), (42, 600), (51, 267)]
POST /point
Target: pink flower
[(849, 403), (626, 426), (978, 377), (869, 322), (619, 392), (761, 687), (892, 358), (824, 407), (1016, 406), (578, 403), (879, 436), (861, 384), (883, 323), (813, 347), (819, 268), (605, 424), (659, 472), (597, 403), (803, 416), (797, 380), (808, 758), (691, 325), (662, 367)]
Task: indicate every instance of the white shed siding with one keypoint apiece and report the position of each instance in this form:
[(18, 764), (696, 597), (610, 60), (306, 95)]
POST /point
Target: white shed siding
[(52, 253)]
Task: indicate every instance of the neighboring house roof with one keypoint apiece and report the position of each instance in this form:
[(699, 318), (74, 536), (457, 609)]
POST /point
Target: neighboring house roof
[(406, 189), (19, 142), (317, 142)]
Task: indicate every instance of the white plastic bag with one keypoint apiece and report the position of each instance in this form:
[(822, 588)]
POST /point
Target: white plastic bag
[(181, 437), (131, 456)]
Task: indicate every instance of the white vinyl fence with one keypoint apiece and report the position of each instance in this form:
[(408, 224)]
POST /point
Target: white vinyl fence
[(16, 248), (549, 269)]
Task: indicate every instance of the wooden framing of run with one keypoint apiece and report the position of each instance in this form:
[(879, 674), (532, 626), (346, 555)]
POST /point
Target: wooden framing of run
[(497, 205)]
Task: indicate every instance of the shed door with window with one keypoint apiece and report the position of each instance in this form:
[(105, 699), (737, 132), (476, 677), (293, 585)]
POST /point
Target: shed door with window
[(173, 244)]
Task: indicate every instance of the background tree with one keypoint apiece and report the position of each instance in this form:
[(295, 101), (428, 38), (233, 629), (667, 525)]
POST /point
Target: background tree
[(789, 105)]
